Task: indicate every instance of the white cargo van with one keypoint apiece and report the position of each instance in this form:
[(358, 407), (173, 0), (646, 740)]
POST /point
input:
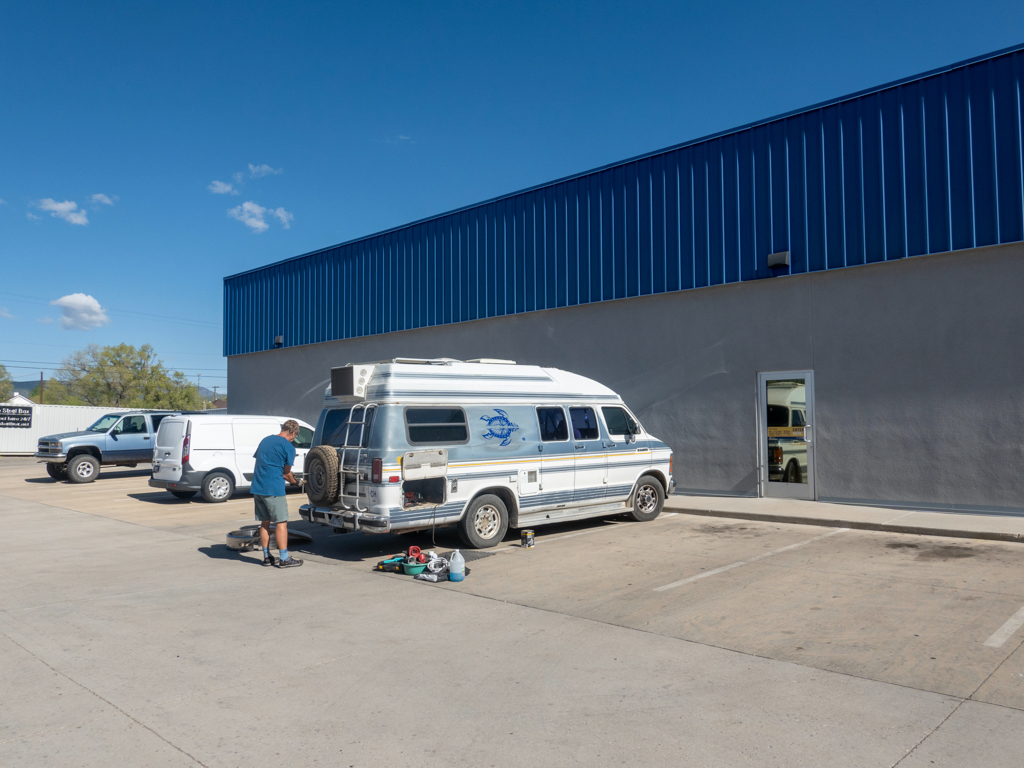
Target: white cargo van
[(212, 453), (485, 445)]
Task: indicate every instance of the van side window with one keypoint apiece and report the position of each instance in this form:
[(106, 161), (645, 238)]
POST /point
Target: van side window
[(436, 426), (584, 424), (618, 421), (336, 426), (553, 426), (304, 439)]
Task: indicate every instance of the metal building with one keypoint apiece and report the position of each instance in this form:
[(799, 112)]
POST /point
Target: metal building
[(903, 373)]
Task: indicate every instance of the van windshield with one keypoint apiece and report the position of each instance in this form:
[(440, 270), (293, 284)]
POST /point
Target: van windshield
[(778, 416), (105, 423), (336, 426)]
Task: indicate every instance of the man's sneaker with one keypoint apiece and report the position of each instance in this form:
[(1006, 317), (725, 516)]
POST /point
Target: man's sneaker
[(269, 560), (291, 562)]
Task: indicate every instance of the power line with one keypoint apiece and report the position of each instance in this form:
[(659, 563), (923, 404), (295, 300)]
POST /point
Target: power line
[(50, 362), (41, 300)]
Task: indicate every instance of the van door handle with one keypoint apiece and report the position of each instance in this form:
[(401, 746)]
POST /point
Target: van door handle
[(146, 437), (581, 447), (607, 445)]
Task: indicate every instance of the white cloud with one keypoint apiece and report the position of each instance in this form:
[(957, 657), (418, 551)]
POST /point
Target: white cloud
[(285, 217), (68, 210), (5, 313), (32, 216), (237, 177), (80, 312), (251, 214), (255, 171), (222, 188), (101, 198), (44, 320)]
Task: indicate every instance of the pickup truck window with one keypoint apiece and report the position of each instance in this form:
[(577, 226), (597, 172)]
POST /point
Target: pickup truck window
[(104, 423), (132, 425), (436, 426)]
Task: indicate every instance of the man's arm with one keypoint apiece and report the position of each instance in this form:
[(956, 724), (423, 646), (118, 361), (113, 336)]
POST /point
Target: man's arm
[(288, 475)]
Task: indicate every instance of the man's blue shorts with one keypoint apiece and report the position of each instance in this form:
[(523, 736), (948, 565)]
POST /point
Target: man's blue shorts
[(272, 508)]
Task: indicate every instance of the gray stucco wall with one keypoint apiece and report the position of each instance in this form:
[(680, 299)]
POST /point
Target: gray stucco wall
[(918, 369)]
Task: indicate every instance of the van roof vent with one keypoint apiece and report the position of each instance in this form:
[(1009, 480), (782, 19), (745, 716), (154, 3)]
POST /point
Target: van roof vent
[(492, 361)]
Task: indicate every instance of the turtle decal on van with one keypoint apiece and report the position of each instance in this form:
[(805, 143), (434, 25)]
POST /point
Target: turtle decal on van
[(500, 427)]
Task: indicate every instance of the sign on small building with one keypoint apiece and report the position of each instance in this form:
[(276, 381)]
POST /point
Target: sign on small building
[(16, 416)]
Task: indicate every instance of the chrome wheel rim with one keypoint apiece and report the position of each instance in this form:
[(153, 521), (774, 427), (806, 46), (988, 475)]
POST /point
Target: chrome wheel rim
[(219, 487), (486, 522), (646, 499), (317, 477), (85, 469)]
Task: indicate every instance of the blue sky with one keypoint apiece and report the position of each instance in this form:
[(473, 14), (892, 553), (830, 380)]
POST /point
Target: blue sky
[(324, 122)]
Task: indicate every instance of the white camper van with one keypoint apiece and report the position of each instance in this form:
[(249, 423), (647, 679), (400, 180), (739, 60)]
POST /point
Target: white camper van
[(485, 445), (212, 453)]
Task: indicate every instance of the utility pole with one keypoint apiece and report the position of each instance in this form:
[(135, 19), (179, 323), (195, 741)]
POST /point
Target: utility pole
[(40, 387)]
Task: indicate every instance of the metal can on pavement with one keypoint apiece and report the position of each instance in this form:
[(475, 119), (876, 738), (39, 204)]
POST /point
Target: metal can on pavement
[(526, 538)]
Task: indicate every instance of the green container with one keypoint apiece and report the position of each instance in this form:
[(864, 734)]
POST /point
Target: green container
[(414, 568)]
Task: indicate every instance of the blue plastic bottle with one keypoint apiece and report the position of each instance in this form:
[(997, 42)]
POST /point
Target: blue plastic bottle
[(457, 567)]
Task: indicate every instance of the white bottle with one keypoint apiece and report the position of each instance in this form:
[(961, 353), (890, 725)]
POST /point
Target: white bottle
[(457, 567)]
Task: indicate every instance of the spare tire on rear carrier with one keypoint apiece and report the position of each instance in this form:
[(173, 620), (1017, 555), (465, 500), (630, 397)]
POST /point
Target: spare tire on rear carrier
[(321, 475)]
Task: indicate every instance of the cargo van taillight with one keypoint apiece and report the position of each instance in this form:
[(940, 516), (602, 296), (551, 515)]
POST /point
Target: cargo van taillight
[(185, 448), (376, 470)]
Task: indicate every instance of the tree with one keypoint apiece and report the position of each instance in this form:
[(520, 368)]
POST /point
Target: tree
[(125, 377), (6, 385)]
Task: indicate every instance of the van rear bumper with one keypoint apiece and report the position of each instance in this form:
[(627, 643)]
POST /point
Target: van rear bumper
[(344, 518)]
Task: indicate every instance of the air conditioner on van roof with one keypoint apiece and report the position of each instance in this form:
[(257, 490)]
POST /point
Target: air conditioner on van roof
[(351, 380)]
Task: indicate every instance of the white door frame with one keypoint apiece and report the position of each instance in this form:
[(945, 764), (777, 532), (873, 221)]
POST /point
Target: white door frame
[(773, 488)]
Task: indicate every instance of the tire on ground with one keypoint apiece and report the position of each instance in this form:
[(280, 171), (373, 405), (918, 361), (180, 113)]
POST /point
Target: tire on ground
[(83, 468), (648, 499), (57, 471), (218, 487), (485, 522), (321, 475), (183, 494)]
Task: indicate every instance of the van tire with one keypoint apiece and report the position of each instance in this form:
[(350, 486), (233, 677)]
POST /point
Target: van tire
[(485, 523), (648, 499), (793, 473), (218, 487), (321, 475), (83, 468), (57, 471), (183, 494)]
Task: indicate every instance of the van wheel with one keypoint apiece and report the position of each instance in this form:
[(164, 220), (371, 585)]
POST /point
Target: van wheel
[(648, 499), (485, 522), (83, 468), (793, 472), (57, 471), (183, 494), (217, 487), (321, 475)]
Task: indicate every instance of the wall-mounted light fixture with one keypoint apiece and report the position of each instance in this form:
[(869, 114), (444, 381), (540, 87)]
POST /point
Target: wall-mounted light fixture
[(777, 260), (278, 342)]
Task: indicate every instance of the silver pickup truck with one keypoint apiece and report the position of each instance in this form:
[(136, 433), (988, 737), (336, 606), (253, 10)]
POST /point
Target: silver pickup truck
[(122, 439)]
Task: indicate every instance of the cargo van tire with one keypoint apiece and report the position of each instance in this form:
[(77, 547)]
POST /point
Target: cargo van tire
[(648, 499), (218, 487), (321, 475), (485, 523)]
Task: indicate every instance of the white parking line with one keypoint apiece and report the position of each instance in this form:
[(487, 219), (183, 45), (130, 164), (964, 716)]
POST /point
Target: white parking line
[(1004, 632), (729, 567)]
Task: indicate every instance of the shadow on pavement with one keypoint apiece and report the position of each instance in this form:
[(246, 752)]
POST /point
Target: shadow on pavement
[(223, 552)]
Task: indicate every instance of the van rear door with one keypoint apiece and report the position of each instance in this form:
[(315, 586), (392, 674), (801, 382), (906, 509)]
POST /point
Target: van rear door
[(167, 451)]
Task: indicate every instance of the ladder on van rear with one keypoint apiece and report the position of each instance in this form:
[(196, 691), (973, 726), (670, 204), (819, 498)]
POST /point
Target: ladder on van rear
[(366, 411)]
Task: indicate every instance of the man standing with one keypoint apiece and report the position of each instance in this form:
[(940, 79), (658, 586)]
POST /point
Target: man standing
[(274, 458)]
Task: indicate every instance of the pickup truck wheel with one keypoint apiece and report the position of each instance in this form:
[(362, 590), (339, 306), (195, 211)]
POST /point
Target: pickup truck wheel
[(57, 471), (793, 472), (183, 494), (218, 487), (485, 522), (83, 468), (321, 475), (648, 499)]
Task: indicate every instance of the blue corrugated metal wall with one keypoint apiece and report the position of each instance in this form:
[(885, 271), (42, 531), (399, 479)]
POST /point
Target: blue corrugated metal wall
[(926, 165)]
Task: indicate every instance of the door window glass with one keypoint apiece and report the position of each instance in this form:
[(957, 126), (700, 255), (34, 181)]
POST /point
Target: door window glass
[(786, 401), (618, 421), (134, 425), (436, 426), (553, 426), (304, 438), (584, 424)]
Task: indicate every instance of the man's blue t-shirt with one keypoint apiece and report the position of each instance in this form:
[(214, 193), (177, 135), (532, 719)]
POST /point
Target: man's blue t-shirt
[(271, 456)]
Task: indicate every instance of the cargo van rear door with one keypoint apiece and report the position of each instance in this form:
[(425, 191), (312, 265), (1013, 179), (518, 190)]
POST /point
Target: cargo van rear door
[(167, 451)]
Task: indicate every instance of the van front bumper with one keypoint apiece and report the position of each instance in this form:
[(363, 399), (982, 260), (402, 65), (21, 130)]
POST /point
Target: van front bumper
[(345, 518)]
